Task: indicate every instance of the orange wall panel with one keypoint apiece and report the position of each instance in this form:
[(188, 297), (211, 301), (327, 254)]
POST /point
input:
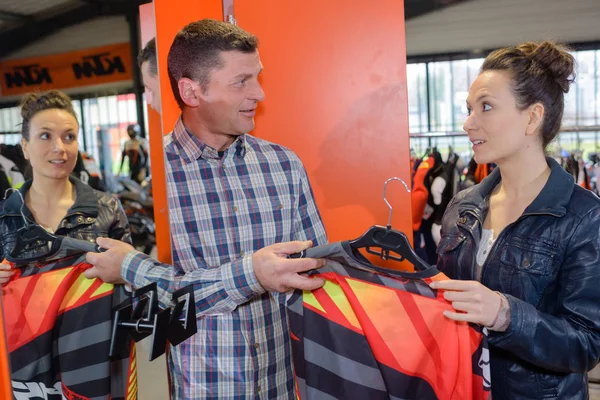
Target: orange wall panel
[(157, 154), (170, 17), (335, 83), (5, 385)]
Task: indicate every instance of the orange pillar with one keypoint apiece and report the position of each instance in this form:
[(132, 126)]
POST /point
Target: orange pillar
[(5, 385), (157, 155), (335, 84), (169, 16)]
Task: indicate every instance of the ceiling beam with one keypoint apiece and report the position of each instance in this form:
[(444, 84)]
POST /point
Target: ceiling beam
[(416, 8), (23, 35), (10, 16)]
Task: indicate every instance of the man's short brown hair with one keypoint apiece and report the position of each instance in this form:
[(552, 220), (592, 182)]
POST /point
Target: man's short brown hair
[(195, 52)]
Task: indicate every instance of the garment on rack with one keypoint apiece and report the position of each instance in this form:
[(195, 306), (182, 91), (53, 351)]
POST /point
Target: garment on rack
[(14, 152), (365, 335), (4, 183), (576, 167), (87, 171), (14, 175), (419, 192), (59, 326), (136, 150)]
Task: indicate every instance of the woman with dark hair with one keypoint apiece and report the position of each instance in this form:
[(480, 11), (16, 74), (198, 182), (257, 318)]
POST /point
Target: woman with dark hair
[(68, 353), (54, 199), (523, 246)]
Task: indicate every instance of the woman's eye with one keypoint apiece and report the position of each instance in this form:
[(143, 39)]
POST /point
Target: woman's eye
[(486, 107)]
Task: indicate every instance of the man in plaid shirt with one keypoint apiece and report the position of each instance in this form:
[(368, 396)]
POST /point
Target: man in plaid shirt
[(238, 206)]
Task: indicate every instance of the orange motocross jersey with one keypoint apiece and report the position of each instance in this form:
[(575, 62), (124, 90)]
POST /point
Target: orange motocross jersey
[(58, 329), (371, 333)]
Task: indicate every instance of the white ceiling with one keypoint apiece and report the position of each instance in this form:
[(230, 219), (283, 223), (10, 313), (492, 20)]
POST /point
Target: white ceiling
[(487, 24)]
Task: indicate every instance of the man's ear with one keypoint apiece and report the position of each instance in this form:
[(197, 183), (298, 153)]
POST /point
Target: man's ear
[(536, 118), (189, 91)]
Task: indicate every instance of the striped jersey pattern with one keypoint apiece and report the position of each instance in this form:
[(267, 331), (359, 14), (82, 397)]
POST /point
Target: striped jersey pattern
[(373, 335), (59, 326)]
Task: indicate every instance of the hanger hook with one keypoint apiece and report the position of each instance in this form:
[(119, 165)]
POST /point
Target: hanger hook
[(21, 211), (395, 178)]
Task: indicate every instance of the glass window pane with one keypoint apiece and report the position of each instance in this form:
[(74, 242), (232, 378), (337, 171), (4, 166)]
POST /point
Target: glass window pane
[(585, 83), (417, 97), (440, 96), (460, 91)]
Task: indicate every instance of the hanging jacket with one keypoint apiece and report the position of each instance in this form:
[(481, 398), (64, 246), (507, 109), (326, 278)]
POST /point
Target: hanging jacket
[(15, 177), (381, 335), (55, 313), (419, 193)]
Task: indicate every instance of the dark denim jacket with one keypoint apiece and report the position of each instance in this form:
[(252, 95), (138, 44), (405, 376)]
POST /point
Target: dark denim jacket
[(94, 214), (547, 263)]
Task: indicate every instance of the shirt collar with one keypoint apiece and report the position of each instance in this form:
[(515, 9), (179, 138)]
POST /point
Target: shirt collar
[(193, 148), (553, 198)]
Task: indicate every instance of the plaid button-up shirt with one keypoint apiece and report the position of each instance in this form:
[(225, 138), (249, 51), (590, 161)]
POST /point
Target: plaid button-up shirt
[(222, 208)]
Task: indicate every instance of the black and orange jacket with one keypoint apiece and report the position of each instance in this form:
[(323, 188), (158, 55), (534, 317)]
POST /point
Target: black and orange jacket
[(369, 335), (419, 193), (59, 324), (49, 304)]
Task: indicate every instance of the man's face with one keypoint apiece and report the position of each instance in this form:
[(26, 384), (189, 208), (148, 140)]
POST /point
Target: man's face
[(152, 85), (232, 94)]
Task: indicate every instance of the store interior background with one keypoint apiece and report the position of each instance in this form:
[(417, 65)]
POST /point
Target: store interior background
[(445, 42)]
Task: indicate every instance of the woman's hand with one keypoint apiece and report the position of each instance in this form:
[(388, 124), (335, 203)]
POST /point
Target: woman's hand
[(5, 273), (474, 302)]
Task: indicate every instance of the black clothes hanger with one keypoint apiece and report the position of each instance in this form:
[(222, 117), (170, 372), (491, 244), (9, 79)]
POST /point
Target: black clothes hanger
[(389, 240), (32, 236)]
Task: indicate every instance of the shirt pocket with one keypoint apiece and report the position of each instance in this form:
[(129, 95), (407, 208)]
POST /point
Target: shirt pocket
[(449, 243), (448, 254), (282, 211), (529, 255), (529, 266)]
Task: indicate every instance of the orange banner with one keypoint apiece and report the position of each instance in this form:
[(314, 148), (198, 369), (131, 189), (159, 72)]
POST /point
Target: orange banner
[(94, 66)]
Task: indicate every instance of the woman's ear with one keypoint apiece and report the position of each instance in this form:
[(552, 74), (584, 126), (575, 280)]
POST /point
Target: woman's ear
[(24, 144), (536, 118)]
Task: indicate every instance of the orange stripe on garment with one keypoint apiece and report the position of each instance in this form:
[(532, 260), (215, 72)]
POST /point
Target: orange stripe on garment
[(5, 386), (29, 315), (105, 288), (132, 385), (78, 289), (338, 296), (332, 311), (404, 342)]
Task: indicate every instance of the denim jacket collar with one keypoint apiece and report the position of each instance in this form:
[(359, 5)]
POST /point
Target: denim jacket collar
[(553, 199)]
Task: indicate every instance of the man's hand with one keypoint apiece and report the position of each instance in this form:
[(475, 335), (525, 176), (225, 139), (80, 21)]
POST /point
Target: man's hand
[(474, 302), (107, 265), (5, 273), (277, 273)]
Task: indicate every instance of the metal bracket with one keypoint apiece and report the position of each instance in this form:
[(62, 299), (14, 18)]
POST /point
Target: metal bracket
[(148, 319)]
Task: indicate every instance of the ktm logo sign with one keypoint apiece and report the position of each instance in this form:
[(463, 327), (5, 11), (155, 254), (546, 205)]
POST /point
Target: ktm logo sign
[(27, 75), (98, 65)]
